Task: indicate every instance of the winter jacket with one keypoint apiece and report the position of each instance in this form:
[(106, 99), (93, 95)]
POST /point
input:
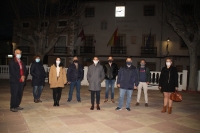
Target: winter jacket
[(38, 74), (168, 79), (110, 71), (14, 71), (74, 74), (55, 81), (95, 76), (128, 77)]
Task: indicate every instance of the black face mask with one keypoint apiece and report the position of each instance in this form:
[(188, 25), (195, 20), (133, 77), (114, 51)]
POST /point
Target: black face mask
[(75, 61), (110, 61)]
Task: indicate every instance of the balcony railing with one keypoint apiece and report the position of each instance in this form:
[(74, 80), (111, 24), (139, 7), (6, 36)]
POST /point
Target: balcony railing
[(87, 49), (24, 49), (150, 51), (118, 50), (62, 50), (4, 74)]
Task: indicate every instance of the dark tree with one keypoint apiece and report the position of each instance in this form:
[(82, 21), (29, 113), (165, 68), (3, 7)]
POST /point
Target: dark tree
[(183, 16), (45, 16)]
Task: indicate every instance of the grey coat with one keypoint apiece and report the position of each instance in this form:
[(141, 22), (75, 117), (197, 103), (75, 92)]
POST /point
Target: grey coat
[(95, 76)]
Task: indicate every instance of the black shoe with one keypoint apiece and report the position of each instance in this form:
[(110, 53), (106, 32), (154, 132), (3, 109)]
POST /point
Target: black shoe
[(79, 101), (36, 101), (20, 108), (55, 103), (137, 104), (14, 109), (68, 100), (92, 107), (146, 105), (128, 109), (98, 107), (118, 108)]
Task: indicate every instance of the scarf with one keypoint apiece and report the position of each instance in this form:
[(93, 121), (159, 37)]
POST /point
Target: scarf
[(21, 69)]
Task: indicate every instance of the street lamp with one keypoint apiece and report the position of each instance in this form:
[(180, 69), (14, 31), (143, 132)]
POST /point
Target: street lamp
[(167, 51)]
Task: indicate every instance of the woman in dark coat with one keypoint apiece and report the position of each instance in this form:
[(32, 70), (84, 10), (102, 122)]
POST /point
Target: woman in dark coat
[(38, 78), (168, 83)]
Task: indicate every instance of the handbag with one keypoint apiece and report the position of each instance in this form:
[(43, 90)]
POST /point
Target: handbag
[(176, 97)]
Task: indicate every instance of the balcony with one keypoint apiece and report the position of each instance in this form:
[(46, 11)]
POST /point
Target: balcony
[(87, 49), (149, 52), (62, 50), (118, 50), (24, 49)]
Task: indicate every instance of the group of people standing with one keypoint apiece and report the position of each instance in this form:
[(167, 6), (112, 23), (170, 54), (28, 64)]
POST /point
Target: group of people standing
[(128, 78)]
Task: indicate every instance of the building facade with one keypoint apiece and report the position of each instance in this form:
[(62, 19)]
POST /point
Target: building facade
[(141, 35), (136, 21)]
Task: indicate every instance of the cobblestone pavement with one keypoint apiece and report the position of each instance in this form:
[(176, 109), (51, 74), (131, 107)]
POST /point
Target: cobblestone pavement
[(75, 117)]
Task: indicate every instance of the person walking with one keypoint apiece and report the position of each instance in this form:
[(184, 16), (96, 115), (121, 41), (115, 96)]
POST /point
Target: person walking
[(127, 81), (57, 80), (168, 83), (75, 76), (17, 79), (95, 76), (38, 78), (111, 71), (144, 79)]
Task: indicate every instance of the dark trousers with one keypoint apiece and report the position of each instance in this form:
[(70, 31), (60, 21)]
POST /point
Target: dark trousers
[(93, 93), (57, 93), (71, 89), (16, 91)]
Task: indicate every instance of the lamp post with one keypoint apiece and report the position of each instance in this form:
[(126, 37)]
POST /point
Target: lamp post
[(167, 51)]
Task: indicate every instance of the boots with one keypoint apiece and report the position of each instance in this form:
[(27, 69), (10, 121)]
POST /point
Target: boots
[(164, 109), (113, 101), (55, 103), (169, 110), (98, 107), (92, 107), (106, 100)]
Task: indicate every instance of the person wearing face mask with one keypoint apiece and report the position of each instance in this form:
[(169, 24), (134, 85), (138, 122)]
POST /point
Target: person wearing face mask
[(57, 80), (74, 77), (95, 76), (111, 71), (17, 79), (144, 79), (127, 81), (38, 78), (168, 83)]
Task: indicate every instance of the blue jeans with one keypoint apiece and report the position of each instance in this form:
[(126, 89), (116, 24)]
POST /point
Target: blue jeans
[(37, 90), (128, 97), (72, 85), (110, 84)]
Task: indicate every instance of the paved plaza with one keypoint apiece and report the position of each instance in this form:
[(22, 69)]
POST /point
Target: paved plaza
[(75, 117)]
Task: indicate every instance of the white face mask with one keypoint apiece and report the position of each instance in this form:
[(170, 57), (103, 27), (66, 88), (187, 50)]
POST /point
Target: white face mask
[(57, 62), (168, 63), (18, 56), (95, 61)]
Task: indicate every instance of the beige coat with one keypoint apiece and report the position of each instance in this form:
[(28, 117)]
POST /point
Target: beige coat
[(54, 81)]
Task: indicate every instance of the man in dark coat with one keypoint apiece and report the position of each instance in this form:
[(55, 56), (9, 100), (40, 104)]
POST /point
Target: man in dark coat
[(95, 76), (38, 78), (74, 77), (127, 81), (18, 73), (111, 71)]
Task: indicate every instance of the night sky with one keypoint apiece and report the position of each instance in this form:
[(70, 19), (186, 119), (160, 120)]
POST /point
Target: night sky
[(6, 17)]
